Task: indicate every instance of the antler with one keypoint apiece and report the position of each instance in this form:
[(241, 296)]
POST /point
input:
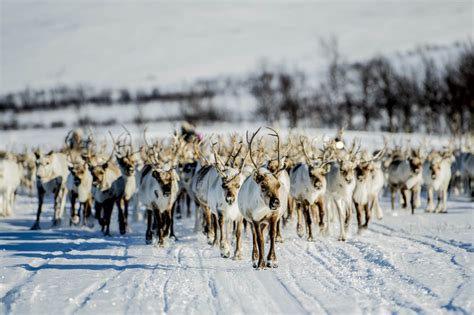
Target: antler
[(275, 134), (249, 143)]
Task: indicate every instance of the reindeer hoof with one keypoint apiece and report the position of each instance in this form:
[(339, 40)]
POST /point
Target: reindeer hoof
[(237, 256), (310, 239), (75, 219), (299, 231), (225, 255), (272, 264), (342, 238), (254, 264), (36, 226), (56, 223), (179, 216), (279, 239)]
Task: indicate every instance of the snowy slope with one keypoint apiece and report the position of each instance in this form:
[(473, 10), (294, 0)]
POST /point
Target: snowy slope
[(407, 264), (142, 43)]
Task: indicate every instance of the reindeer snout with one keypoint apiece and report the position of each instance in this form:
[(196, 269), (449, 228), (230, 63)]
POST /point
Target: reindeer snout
[(318, 185), (166, 191), (274, 203), (349, 179), (77, 181), (360, 178), (229, 199)]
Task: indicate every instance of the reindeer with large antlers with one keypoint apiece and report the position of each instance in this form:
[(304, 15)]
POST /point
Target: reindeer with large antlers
[(107, 189), (262, 201), (308, 188), (159, 189)]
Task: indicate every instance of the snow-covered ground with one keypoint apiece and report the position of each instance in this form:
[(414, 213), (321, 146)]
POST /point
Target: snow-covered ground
[(420, 263)]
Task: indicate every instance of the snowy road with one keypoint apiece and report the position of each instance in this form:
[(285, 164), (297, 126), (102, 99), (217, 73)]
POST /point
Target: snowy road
[(408, 264)]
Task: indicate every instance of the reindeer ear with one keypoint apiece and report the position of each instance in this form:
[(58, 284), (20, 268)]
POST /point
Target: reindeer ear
[(37, 154), (50, 152), (105, 165)]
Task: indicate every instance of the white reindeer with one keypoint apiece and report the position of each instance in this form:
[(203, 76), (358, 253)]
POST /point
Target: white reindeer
[(437, 175), (308, 189), (79, 185), (10, 178), (51, 174), (262, 203)]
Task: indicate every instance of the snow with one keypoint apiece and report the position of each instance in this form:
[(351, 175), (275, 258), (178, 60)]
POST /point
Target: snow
[(404, 263), (147, 43)]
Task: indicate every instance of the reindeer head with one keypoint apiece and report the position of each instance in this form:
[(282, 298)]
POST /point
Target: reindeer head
[(127, 164), (266, 180), (317, 169), (165, 179), (416, 161), (78, 171), (44, 165), (269, 187)]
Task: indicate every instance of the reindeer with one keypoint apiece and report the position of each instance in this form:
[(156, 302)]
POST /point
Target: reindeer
[(51, 177), (126, 160), (158, 192), (367, 188), (79, 185), (406, 175), (308, 189), (222, 201), (261, 199), (436, 176), (10, 178), (107, 190), (340, 187)]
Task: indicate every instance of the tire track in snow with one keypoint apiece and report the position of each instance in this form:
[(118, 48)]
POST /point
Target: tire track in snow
[(344, 273), (438, 250), (98, 286), (9, 299)]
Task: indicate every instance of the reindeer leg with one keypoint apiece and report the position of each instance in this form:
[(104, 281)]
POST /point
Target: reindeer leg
[(108, 207), (188, 205), (279, 238), (126, 203), (214, 229), (299, 224), (322, 216), (429, 205), (261, 246), (255, 245), (392, 196), (57, 204), (224, 252), (121, 217), (172, 235), (414, 199), (271, 258), (149, 221), (36, 225), (348, 206), (307, 216), (74, 218), (238, 240), (367, 216), (342, 214), (177, 205), (159, 227), (359, 216)]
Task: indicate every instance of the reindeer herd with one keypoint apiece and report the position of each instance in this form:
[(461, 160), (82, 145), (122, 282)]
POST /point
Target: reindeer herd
[(261, 181)]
